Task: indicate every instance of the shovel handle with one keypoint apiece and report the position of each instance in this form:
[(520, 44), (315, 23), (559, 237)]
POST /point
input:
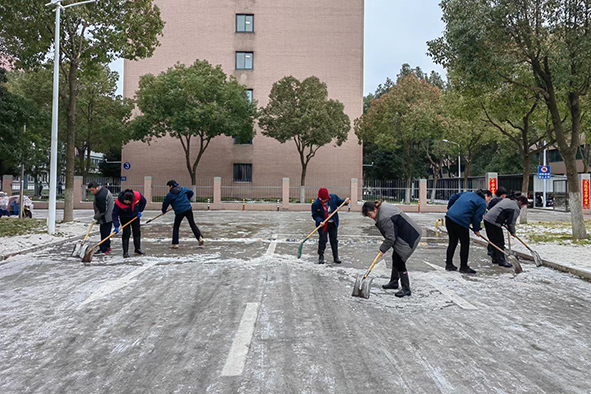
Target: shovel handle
[(88, 232), (493, 245), (328, 218), (372, 265), (113, 233), (520, 240), (156, 217)]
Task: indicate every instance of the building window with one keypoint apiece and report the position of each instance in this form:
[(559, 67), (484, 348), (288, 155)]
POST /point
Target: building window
[(244, 60), (242, 172), (239, 141), (244, 23), (249, 94)]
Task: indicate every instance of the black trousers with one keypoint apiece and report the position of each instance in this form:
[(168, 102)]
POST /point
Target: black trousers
[(105, 232), (178, 218), (135, 227), (495, 235), (397, 266), (331, 232), (457, 233)]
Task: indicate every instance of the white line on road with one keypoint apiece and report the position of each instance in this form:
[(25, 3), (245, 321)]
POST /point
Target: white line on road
[(237, 357), (272, 246), (462, 303)]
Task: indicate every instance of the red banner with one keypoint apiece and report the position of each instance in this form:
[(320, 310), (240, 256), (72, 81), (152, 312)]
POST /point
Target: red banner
[(586, 196), (492, 185)]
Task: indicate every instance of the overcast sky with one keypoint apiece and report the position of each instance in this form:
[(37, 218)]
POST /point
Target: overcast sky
[(396, 32)]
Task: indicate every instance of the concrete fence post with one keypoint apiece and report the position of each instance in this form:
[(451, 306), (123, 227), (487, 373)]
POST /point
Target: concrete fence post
[(217, 192), (78, 190), (148, 188), (7, 184), (422, 194), (285, 193), (354, 195)]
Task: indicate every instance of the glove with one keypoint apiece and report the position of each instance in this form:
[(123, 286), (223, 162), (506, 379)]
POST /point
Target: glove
[(139, 215), (116, 229)]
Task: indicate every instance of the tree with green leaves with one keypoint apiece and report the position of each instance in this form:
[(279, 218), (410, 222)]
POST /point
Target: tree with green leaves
[(90, 34), (301, 111), (197, 102), (493, 42), (402, 118)]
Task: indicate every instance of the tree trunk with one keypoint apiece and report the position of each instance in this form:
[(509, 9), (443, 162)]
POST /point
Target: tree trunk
[(303, 183), (467, 169), (525, 187), (435, 178), (408, 173), (408, 188), (88, 161), (574, 194), (71, 141)]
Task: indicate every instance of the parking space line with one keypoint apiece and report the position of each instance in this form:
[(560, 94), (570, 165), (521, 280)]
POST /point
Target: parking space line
[(272, 246), (241, 344), (456, 299)]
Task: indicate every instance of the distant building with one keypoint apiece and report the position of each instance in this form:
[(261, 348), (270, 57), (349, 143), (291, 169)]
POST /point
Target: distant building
[(259, 42)]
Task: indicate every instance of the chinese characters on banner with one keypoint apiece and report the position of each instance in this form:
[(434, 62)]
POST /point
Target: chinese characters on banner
[(586, 196), (492, 185)]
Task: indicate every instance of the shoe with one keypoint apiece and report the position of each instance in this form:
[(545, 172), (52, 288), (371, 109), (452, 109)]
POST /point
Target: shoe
[(450, 267), (138, 252), (101, 253), (125, 255), (403, 293), (505, 264), (174, 246), (390, 285), (201, 241), (337, 261), (467, 270), (321, 259)]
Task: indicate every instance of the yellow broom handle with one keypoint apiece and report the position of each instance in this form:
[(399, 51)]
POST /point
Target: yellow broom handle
[(88, 232), (372, 264), (328, 218), (113, 233)]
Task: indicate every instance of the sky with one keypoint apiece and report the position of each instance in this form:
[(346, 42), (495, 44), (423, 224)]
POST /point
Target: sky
[(396, 32)]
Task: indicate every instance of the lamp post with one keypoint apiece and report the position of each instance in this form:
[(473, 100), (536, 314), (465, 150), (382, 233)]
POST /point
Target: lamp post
[(459, 165), (54, 112)]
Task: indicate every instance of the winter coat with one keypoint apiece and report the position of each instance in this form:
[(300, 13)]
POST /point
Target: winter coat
[(318, 213), (493, 202), (103, 206), (466, 208), (506, 213), (124, 210), (179, 198), (399, 231)]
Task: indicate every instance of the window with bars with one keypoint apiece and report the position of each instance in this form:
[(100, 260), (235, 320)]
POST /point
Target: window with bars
[(242, 172)]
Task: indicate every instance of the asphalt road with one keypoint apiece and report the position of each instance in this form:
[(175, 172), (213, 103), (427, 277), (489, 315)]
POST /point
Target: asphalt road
[(243, 315)]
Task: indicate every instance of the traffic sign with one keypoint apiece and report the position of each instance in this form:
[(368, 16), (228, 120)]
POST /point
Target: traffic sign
[(123, 178), (127, 165), (544, 172)]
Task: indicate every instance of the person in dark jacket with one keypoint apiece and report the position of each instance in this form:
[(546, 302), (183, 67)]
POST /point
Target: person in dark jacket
[(505, 213), (103, 213), (128, 205), (499, 195), (464, 209), (322, 207), (179, 198), (401, 234)]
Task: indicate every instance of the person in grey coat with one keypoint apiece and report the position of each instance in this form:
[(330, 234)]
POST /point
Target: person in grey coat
[(401, 233), (103, 210), (504, 213)]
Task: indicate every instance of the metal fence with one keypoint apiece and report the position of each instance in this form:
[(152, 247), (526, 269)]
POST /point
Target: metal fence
[(202, 190), (394, 191), (311, 191), (232, 192)]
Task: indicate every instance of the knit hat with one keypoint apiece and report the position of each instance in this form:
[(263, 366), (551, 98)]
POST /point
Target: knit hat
[(323, 194)]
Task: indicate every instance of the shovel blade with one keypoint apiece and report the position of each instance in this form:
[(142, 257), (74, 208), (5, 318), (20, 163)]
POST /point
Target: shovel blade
[(517, 266), (362, 287), (88, 255), (301, 248), (537, 259), (76, 251), (83, 249)]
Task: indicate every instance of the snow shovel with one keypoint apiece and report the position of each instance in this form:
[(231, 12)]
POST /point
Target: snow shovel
[(79, 246), (156, 217), (90, 251), (516, 263), (362, 284), (318, 228), (535, 255)]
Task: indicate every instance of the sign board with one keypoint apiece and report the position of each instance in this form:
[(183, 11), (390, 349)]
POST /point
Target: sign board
[(127, 165), (492, 185), (544, 172), (123, 178), (585, 192)]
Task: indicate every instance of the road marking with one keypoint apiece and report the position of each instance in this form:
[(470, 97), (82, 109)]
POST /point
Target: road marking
[(272, 246), (117, 284), (462, 303), (241, 344)]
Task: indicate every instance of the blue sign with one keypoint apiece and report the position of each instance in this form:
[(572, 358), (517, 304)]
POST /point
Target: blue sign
[(123, 178), (544, 172), (127, 165)]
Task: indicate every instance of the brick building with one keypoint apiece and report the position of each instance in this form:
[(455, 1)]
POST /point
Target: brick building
[(259, 42)]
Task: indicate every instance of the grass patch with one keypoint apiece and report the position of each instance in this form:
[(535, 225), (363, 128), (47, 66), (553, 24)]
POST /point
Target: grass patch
[(11, 227), (554, 232)]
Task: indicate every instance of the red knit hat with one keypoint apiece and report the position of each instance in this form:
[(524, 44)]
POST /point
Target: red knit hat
[(323, 194)]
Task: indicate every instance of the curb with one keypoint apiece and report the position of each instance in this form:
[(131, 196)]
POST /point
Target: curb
[(583, 273)]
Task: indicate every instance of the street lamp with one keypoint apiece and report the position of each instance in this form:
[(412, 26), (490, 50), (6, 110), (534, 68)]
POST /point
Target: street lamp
[(459, 164), (54, 112)]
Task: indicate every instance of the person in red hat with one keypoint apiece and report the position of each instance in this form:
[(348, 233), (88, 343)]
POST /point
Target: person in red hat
[(322, 207)]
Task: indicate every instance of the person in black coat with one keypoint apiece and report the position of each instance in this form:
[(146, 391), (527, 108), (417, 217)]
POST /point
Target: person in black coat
[(103, 213), (180, 200), (128, 205), (499, 195), (322, 207)]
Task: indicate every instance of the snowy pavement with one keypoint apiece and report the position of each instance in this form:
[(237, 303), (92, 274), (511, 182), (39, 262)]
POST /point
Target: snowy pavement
[(243, 315)]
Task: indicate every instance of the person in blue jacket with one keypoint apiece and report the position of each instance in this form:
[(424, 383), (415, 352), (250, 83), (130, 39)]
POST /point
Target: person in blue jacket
[(179, 198), (322, 207), (128, 205), (464, 209)]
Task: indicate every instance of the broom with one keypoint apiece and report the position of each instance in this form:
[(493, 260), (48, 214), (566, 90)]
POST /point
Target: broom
[(317, 228)]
